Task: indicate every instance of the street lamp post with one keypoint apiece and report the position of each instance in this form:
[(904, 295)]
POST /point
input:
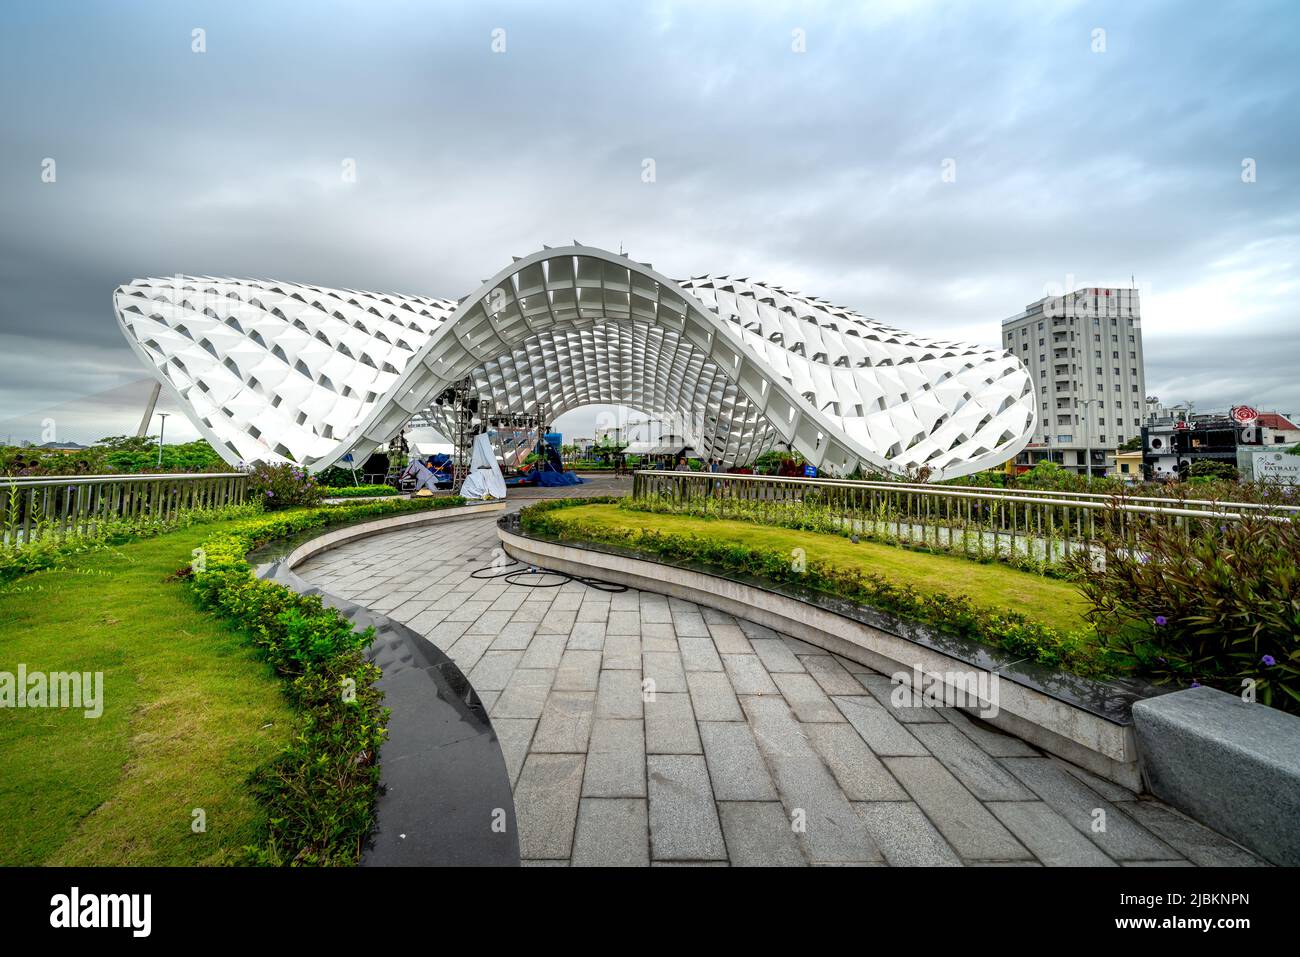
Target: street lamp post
[(161, 429), (1087, 437)]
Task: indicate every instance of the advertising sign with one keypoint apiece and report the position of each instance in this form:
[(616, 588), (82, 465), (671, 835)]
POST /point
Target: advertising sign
[(1271, 465)]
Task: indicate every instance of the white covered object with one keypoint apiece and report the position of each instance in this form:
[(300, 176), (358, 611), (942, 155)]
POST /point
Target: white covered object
[(485, 479)]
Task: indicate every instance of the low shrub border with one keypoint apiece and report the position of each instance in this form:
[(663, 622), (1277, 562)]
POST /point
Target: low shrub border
[(53, 552), (954, 614), (360, 491), (319, 794)]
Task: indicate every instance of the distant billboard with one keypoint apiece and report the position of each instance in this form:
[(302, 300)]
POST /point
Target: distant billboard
[(1270, 465)]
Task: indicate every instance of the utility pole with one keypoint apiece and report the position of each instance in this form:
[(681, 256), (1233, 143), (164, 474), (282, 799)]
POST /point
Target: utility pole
[(161, 429)]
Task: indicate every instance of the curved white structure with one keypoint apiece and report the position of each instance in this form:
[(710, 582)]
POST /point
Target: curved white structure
[(282, 371)]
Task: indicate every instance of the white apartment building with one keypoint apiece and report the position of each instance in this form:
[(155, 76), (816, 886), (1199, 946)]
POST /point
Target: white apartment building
[(1084, 354)]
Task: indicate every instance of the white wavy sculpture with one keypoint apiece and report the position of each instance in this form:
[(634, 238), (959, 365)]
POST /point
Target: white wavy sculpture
[(280, 371)]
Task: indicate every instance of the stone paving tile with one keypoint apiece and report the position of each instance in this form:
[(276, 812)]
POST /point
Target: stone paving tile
[(698, 654), (983, 776), (830, 674), (833, 831), (622, 652), (530, 611), (1050, 837), (625, 600), (683, 815), (489, 623), (690, 623), (546, 804), (588, 634), (994, 742), (1122, 838), (618, 694), (714, 617), (883, 734), (775, 655), (467, 651), (615, 759), (655, 612), (544, 651), (525, 694), (857, 770), (728, 639), (665, 669), (469, 611), (713, 697), (493, 671), (881, 688), (905, 836), (758, 834), (590, 611), (579, 671), (557, 622), (514, 734), (753, 629), (966, 824), (611, 832), (806, 698), (670, 725), (1196, 842), (565, 724), (748, 675), (514, 636), (623, 623), (658, 637), (736, 769), (801, 647)]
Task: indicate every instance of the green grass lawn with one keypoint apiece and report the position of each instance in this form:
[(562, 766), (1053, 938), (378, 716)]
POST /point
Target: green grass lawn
[(1046, 600), (189, 712)]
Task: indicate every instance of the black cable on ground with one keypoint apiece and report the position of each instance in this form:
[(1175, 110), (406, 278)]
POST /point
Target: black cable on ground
[(511, 575)]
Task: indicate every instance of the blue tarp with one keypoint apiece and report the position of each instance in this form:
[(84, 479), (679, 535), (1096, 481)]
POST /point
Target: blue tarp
[(549, 479)]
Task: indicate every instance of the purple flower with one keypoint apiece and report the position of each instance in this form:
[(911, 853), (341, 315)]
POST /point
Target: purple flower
[(1162, 661), (1195, 683), (1161, 620), (1269, 661)]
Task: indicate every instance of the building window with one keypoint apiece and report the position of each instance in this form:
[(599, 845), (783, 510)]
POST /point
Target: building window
[(1102, 437), (1123, 467), (1133, 372)]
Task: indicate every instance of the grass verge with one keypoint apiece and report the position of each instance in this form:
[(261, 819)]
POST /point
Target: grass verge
[(1023, 613)]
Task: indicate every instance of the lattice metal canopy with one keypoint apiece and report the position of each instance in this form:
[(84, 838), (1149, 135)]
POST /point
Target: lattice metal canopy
[(281, 371)]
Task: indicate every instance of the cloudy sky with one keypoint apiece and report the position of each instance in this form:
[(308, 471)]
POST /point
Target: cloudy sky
[(1091, 143)]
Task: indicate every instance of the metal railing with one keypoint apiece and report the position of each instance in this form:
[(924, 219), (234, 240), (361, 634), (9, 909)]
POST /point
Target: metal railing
[(1045, 526), (35, 508)]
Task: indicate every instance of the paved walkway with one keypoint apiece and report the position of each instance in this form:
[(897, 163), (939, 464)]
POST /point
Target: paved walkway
[(754, 748)]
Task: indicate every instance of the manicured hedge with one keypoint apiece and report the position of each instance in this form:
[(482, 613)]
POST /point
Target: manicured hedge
[(360, 491), (319, 794), (953, 614)]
